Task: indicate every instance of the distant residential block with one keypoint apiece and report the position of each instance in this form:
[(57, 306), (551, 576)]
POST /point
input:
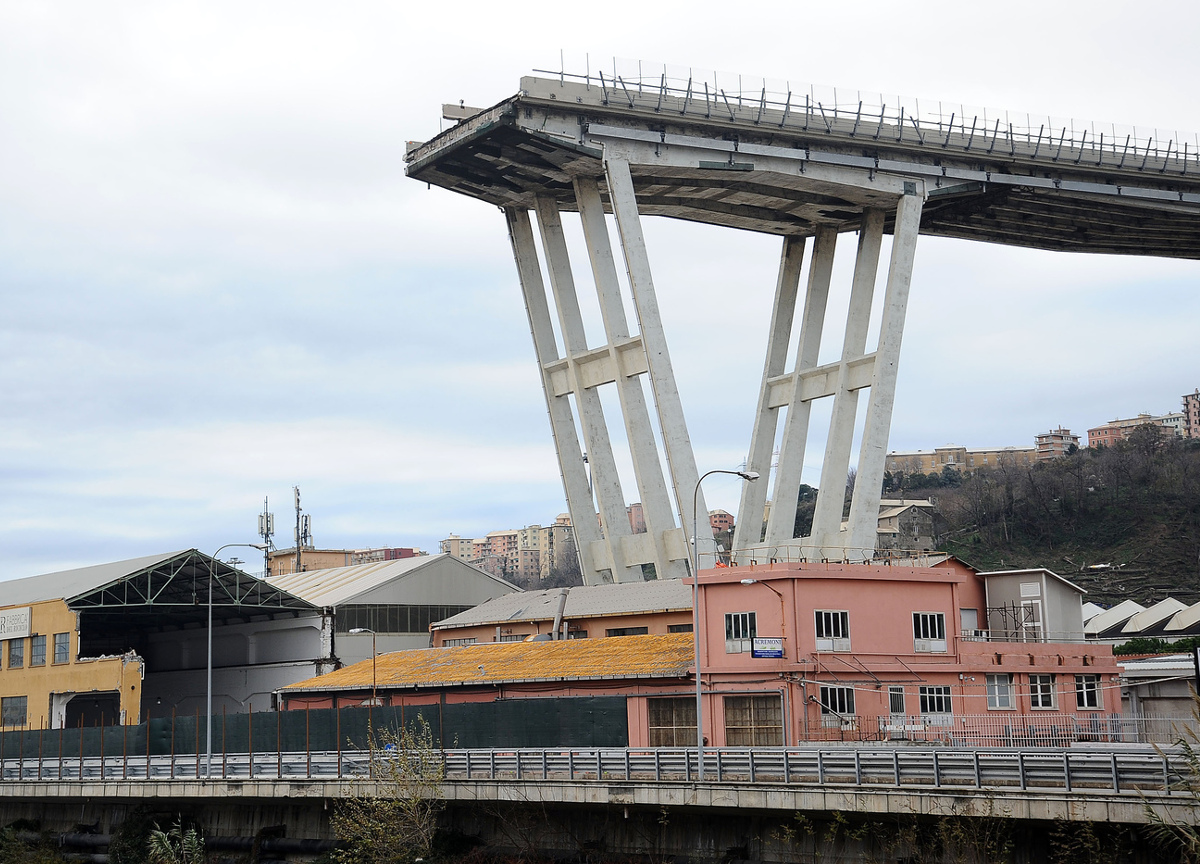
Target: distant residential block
[(637, 518), (1191, 414), (284, 561), (720, 520), (958, 458), (1055, 443), (1118, 430), (527, 554)]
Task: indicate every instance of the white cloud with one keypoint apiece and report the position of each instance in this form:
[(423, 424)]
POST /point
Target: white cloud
[(217, 281)]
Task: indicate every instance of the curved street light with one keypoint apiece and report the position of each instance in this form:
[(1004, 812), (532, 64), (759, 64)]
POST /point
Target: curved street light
[(208, 705), (749, 476)]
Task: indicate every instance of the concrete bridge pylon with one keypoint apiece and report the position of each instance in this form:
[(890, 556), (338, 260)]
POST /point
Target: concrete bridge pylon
[(609, 551), (808, 381), (608, 548)]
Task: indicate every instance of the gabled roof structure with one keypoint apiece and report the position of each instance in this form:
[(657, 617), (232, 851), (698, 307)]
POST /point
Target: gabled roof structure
[(159, 584), (655, 656), (585, 601), (154, 592), (1147, 619), (1112, 619), (336, 586), (1185, 622)]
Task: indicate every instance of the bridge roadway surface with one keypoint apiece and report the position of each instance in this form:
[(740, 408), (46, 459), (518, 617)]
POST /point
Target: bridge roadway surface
[(789, 167), (1114, 784)]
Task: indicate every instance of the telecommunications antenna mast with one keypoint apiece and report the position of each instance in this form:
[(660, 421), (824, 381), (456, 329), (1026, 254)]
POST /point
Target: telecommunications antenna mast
[(266, 530), (303, 531)]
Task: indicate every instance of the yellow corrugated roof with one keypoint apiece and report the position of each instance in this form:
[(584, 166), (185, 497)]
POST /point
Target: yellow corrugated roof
[(668, 656)]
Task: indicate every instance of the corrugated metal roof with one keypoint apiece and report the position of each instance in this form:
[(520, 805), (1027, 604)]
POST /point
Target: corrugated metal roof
[(1090, 611), (1177, 663), (66, 584), (335, 586), (585, 601), (655, 656), (1156, 614), (1111, 618)]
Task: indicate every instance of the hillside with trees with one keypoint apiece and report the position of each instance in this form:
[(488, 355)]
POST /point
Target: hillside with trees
[(1123, 522)]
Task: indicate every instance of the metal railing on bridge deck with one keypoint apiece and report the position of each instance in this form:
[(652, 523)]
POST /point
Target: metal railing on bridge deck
[(874, 117), (1114, 770), (800, 553)]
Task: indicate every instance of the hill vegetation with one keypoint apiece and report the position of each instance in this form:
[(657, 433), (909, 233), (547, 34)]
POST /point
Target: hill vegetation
[(1122, 522)]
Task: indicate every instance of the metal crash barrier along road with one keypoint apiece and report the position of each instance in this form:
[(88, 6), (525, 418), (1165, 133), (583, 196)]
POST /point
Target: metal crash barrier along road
[(1136, 771)]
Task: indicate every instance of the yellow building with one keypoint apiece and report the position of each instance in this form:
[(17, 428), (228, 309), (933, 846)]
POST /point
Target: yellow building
[(105, 645), (43, 673), (958, 458)]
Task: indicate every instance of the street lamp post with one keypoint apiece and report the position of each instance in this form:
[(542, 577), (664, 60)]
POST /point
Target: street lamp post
[(209, 688), (745, 475), (357, 630)]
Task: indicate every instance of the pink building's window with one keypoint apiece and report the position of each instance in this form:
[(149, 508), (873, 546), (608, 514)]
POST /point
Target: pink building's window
[(672, 722), (833, 630), (929, 632), (1041, 691), (1087, 691), (740, 630), (935, 703), (1000, 691), (754, 721), (837, 706)]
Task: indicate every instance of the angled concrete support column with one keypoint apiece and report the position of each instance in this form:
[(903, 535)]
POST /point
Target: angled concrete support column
[(606, 483), (782, 520), (681, 461), (827, 537), (748, 531), (661, 534), (864, 506), (562, 425)]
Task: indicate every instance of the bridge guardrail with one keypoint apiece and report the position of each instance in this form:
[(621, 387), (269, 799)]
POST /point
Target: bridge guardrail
[(1141, 771)]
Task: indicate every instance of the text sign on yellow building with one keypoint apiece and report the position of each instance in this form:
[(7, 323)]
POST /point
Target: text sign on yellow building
[(15, 623)]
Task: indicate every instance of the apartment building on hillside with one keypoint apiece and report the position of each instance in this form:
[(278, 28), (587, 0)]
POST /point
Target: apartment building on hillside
[(1055, 444), (958, 458), (1191, 414), (527, 554), (1113, 431)]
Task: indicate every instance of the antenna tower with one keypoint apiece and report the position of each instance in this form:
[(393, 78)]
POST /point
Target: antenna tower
[(266, 530)]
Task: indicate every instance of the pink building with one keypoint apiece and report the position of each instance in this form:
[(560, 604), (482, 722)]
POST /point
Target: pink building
[(637, 517), (1191, 414), (720, 520), (858, 649), (805, 652)]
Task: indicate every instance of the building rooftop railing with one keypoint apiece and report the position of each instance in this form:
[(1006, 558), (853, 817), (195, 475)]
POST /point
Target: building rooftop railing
[(870, 116)]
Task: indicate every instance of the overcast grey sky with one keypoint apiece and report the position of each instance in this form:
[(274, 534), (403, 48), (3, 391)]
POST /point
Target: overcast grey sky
[(217, 282)]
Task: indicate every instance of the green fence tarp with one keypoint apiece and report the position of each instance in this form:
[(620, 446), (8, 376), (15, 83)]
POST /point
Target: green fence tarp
[(584, 721)]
